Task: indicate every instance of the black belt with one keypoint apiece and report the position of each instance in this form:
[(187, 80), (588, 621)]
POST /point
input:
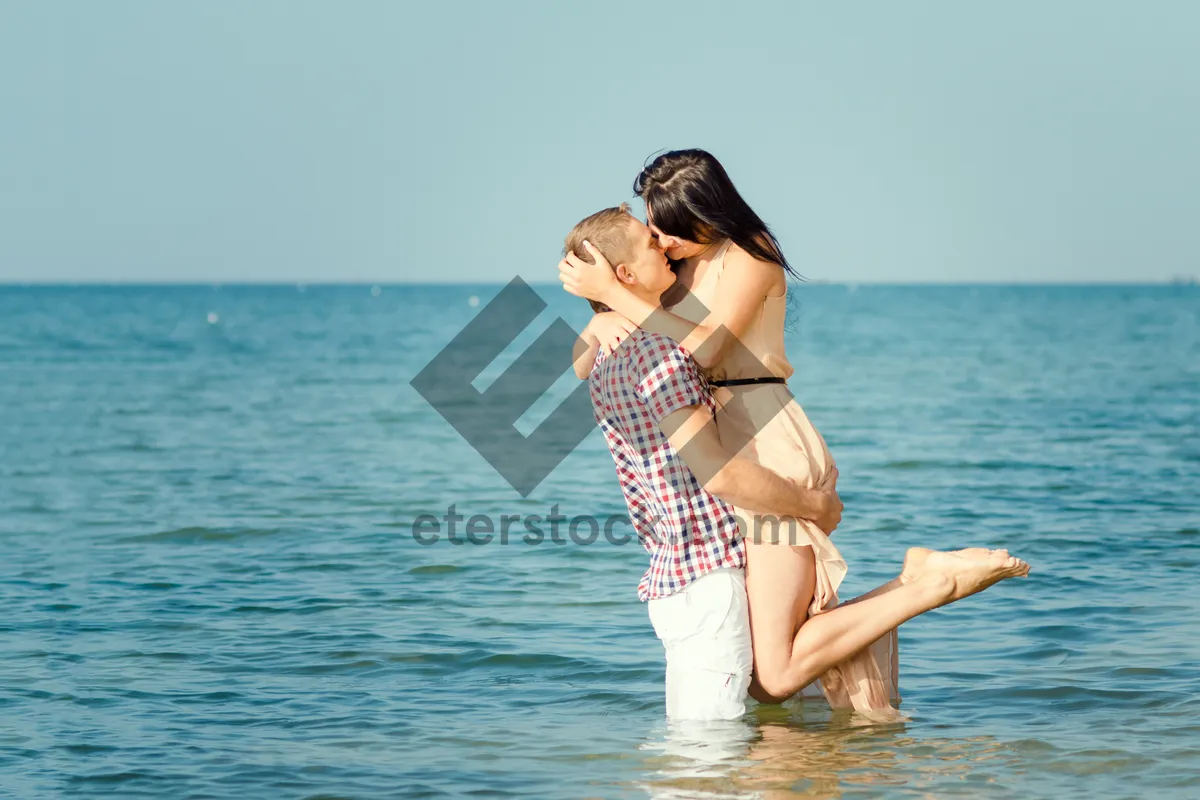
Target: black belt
[(747, 381)]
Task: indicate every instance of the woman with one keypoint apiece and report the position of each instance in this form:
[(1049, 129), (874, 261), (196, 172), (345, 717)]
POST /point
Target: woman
[(727, 309)]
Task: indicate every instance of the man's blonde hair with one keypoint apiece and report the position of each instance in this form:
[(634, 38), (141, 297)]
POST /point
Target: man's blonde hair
[(608, 231)]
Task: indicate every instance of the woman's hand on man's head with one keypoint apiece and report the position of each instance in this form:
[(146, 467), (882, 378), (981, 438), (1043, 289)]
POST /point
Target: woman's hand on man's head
[(590, 281)]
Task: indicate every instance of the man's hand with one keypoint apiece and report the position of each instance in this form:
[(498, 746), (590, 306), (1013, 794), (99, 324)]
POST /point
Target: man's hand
[(831, 504)]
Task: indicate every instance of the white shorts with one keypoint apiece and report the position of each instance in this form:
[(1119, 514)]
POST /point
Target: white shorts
[(705, 629)]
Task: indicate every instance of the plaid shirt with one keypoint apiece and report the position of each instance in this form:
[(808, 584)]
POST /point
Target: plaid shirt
[(686, 530)]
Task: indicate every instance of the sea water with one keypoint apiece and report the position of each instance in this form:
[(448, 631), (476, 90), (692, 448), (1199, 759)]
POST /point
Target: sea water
[(212, 586)]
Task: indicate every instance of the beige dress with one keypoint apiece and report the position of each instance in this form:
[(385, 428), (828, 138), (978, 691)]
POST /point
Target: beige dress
[(765, 424)]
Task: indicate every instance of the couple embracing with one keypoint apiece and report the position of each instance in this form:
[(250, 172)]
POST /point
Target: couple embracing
[(731, 489)]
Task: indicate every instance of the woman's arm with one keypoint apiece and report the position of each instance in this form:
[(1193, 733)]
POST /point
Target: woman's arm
[(745, 283), (583, 354), (607, 329)]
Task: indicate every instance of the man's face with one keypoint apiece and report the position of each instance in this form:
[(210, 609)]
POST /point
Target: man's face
[(647, 262)]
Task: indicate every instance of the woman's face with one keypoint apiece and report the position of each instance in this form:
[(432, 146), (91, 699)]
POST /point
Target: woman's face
[(676, 248)]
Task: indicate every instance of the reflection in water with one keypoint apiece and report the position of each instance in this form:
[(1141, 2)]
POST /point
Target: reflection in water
[(803, 751)]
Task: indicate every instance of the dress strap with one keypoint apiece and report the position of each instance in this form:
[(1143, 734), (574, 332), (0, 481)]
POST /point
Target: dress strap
[(717, 265), (719, 261)]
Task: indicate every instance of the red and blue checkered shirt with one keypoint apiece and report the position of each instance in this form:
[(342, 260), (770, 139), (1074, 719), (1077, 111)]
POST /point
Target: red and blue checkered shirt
[(686, 530)]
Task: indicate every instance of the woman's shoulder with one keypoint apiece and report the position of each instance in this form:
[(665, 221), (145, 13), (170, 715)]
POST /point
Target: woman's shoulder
[(767, 274)]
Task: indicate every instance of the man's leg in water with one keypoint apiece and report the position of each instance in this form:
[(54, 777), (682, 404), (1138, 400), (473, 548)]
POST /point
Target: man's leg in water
[(705, 631)]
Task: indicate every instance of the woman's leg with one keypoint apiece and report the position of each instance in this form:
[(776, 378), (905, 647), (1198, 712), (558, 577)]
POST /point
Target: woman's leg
[(780, 580), (929, 580)]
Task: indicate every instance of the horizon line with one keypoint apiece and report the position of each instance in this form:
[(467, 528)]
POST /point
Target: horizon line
[(1181, 280)]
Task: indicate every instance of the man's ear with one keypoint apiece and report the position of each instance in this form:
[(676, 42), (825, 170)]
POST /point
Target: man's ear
[(625, 275)]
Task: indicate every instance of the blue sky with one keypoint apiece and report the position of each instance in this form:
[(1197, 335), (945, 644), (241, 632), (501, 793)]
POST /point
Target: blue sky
[(453, 141)]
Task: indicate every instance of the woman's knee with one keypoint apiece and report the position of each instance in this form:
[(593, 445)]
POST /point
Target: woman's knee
[(774, 682), (781, 678), (761, 695)]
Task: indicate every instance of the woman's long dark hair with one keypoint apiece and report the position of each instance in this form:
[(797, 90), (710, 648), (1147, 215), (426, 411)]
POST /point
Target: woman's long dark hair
[(690, 195)]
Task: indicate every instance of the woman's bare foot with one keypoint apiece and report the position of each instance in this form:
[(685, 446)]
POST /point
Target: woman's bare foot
[(960, 573), (915, 558), (973, 552)]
